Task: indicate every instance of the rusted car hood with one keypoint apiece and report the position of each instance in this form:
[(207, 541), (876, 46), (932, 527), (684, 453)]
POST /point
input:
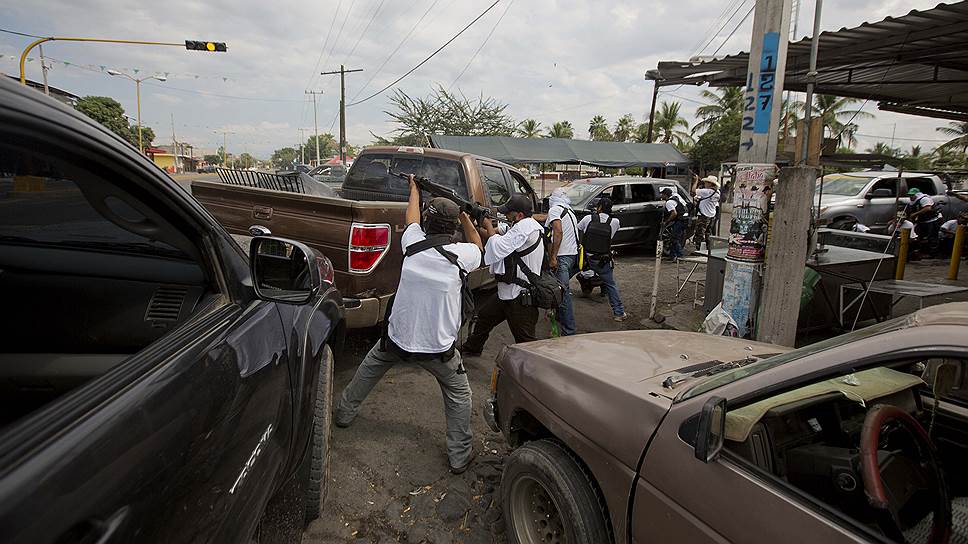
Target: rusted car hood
[(608, 386)]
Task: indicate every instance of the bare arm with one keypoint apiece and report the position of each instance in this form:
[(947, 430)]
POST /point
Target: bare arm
[(695, 183), (470, 231), (413, 204), (487, 230), (555, 243), (672, 217)]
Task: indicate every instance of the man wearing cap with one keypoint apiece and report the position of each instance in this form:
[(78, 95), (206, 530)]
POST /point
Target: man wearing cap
[(675, 220), (425, 318), (510, 303), (707, 200), (926, 218)]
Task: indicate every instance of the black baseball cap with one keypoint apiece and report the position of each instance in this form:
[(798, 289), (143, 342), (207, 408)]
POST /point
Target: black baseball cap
[(667, 191), (517, 203), (444, 209)]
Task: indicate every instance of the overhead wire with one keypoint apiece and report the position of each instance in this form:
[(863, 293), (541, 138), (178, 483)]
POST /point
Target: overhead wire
[(365, 29), (22, 34), (339, 34), (421, 63), (735, 28), (486, 38), (705, 42)]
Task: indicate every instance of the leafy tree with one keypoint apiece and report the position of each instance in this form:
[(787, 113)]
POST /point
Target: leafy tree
[(245, 161), (945, 157), (668, 123), (222, 158), (529, 128), (284, 157), (147, 135), (880, 148), (832, 110), (915, 159), (212, 159), (719, 142), (959, 131), (726, 101), (444, 112), (328, 147), (561, 129), (108, 112), (598, 129), (624, 128)]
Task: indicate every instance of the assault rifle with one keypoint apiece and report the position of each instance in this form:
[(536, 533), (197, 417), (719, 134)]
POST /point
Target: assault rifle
[(473, 209)]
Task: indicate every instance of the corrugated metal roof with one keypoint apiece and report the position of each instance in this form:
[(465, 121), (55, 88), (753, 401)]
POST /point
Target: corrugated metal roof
[(916, 63)]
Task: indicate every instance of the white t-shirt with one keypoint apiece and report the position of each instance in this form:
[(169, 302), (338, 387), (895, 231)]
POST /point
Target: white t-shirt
[(426, 311), (569, 229), (708, 201), (523, 234), (602, 218), (949, 227), (920, 202), (671, 205)]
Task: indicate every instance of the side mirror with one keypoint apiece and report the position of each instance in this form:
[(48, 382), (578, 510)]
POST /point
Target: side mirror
[(712, 429), (283, 270), (880, 193)]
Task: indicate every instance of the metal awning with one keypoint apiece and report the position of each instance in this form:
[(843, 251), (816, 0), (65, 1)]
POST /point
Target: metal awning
[(916, 64), (563, 151)]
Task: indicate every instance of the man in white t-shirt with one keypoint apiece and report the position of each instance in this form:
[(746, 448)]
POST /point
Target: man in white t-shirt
[(563, 255), (510, 302), (948, 230), (425, 319), (603, 265), (707, 200), (927, 220)]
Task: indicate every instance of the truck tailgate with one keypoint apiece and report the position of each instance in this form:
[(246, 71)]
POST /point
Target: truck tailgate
[(321, 222)]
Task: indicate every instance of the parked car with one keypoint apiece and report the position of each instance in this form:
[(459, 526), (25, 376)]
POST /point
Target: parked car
[(635, 202), (362, 229), (667, 436), (158, 384), (872, 198), (330, 174), (207, 169)]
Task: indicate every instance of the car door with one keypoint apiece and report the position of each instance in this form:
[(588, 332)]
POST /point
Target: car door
[(183, 440), (643, 213), (495, 184), (882, 209), (679, 498)]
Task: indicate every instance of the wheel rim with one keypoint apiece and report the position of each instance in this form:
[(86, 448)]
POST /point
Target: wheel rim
[(535, 514)]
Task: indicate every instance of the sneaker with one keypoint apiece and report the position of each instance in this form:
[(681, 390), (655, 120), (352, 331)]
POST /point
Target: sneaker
[(342, 422), (620, 318), (462, 469)]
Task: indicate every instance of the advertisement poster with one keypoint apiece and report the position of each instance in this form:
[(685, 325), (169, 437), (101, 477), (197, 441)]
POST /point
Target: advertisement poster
[(752, 190)]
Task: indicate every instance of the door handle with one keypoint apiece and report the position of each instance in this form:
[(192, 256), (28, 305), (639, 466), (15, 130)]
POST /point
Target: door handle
[(262, 212)]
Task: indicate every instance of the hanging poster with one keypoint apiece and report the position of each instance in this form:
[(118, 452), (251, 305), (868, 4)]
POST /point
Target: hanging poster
[(752, 190)]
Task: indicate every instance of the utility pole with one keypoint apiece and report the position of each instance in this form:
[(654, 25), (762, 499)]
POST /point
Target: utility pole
[(44, 68), (315, 125), (174, 144), (756, 173), (302, 146), (225, 148), (342, 108)]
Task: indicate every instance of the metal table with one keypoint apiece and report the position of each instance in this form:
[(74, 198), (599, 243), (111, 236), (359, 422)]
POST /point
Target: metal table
[(898, 290), (696, 261)]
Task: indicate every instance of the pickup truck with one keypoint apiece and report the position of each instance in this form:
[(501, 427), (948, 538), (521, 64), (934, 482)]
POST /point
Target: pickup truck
[(361, 229), (157, 384), (872, 198)]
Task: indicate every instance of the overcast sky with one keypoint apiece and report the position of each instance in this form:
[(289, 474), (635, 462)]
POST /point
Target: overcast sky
[(548, 59)]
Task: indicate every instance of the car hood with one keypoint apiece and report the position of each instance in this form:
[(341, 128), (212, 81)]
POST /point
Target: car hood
[(608, 386)]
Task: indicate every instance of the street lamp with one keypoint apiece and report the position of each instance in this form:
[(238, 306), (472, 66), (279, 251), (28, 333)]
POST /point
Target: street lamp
[(137, 84)]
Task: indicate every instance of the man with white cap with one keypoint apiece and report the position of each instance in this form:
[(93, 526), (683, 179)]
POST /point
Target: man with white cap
[(707, 200)]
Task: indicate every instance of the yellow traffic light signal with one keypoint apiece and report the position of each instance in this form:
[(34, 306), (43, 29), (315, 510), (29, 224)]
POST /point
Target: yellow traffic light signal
[(214, 47)]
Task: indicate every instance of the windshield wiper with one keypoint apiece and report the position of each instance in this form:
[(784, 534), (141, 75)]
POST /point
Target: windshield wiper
[(717, 368)]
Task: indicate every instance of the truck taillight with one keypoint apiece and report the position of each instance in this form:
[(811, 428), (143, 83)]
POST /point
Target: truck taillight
[(368, 245)]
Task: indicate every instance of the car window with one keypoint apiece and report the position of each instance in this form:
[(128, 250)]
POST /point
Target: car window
[(519, 185), (42, 202), (618, 193), (643, 192), (886, 183), (495, 183), (842, 184), (926, 185), (369, 172)]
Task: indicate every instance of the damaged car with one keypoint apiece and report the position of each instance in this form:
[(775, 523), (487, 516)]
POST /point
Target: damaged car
[(668, 436)]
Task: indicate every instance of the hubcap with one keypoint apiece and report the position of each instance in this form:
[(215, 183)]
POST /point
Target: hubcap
[(536, 518)]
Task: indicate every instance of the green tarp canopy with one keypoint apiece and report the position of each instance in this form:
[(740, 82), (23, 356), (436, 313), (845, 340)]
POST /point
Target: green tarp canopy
[(562, 151)]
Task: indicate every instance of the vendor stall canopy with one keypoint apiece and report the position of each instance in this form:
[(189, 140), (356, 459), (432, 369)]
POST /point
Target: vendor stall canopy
[(916, 63), (563, 151)]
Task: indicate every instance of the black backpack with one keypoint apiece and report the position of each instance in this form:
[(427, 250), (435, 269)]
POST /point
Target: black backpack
[(597, 238), (543, 291)]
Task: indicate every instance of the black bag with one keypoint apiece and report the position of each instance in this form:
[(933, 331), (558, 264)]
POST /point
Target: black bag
[(597, 239), (467, 305), (544, 291)]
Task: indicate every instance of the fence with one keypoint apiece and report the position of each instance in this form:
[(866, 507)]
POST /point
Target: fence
[(290, 183)]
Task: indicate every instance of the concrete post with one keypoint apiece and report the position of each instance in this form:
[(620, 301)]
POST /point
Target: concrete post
[(783, 280)]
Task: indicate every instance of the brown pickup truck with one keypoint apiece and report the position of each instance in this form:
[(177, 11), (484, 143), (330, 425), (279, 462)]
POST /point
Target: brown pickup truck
[(360, 231)]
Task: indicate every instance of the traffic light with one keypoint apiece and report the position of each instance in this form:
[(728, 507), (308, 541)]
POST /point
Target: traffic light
[(213, 47)]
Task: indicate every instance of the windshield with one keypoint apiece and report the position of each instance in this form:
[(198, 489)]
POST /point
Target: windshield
[(731, 376), (842, 185), (580, 192)]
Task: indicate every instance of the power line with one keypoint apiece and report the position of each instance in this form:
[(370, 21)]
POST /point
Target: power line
[(21, 34), (421, 63), (322, 49), (367, 27), (704, 42), (394, 52), (739, 24), (488, 37), (739, 5), (339, 34)]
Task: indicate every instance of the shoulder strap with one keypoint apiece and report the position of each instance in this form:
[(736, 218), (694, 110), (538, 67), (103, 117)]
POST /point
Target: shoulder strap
[(425, 244), (450, 256), (513, 261)]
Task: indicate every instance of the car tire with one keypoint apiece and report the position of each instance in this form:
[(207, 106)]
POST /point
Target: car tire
[(318, 456), (548, 496), (841, 223)]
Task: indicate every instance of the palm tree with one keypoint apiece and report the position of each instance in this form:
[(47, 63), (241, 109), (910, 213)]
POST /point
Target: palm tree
[(598, 129), (960, 132), (561, 129), (831, 109), (529, 128), (880, 148), (624, 128), (725, 101), (914, 160), (945, 156), (668, 122)]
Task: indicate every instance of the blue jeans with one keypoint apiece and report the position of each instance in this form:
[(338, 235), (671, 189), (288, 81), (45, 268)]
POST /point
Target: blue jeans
[(567, 267), (677, 234), (604, 269)]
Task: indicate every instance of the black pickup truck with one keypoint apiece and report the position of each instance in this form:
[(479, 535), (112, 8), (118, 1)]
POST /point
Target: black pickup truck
[(157, 384)]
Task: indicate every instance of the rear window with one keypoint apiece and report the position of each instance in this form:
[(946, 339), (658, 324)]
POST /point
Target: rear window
[(369, 173)]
